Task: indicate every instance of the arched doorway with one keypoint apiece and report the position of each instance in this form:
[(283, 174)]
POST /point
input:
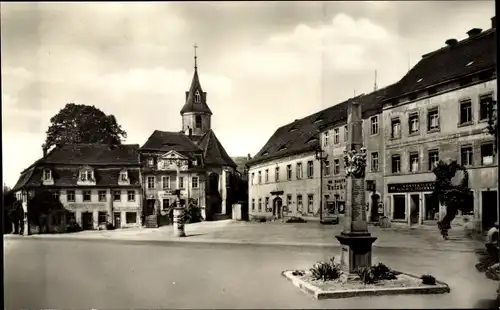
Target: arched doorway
[(215, 201), (277, 207), (375, 199), (213, 183)]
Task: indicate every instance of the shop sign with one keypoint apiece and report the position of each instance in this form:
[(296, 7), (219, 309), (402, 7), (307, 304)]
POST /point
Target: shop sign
[(86, 205), (410, 187), (338, 184)]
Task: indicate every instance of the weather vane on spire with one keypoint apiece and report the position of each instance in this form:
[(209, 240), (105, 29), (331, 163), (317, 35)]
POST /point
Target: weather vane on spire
[(195, 57)]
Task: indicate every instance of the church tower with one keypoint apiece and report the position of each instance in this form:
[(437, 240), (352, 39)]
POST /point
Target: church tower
[(195, 113)]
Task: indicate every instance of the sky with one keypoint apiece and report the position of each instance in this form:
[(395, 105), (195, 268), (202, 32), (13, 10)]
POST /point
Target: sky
[(262, 64)]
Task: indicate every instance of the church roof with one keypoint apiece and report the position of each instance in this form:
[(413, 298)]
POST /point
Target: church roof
[(191, 105), (213, 151), (166, 141)]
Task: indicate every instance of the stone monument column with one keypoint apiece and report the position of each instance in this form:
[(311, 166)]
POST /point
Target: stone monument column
[(355, 239), (178, 225)]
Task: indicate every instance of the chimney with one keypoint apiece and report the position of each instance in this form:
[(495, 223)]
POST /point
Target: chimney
[(474, 32), (249, 157), (190, 131), (44, 150), (451, 42), (494, 22)]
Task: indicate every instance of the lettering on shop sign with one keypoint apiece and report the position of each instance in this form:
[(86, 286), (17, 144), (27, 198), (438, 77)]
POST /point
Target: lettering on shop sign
[(277, 193), (410, 187), (337, 185), (86, 205)]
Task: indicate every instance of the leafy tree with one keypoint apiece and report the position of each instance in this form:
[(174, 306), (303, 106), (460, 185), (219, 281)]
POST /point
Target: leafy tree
[(9, 200), (451, 187), (41, 205), (78, 123), (493, 121)]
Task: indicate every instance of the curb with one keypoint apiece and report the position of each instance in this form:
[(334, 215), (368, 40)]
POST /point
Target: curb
[(319, 294), (217, 241)]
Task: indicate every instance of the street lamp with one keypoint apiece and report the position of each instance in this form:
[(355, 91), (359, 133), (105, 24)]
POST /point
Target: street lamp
[(318, 154)]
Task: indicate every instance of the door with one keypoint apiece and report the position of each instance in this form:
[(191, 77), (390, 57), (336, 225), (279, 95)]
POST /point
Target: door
[(87, 221), (489, 206), (118, 219), (150, 207), (431, 212), (414, 209), (375, 199)]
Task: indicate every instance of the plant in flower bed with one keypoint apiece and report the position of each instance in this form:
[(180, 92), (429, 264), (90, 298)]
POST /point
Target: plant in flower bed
[(326, 271), (376, 273), (428, 279)]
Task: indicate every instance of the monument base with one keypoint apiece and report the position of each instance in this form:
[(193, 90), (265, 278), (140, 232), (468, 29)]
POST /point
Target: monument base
[(356, 250), (178, 225)]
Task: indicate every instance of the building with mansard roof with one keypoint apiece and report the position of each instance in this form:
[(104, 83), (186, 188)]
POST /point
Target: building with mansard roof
[(96, 183), (192, 160)]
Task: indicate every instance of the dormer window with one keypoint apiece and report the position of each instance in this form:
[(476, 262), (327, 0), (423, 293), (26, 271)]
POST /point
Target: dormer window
[(124, 176), (86, 175), (197, 97), (47, 175)]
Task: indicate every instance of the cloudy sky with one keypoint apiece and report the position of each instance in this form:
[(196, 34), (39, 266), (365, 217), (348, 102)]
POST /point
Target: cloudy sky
[(263, 64)]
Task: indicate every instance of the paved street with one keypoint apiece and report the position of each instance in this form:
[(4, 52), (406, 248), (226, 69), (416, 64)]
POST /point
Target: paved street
[(94, 274)]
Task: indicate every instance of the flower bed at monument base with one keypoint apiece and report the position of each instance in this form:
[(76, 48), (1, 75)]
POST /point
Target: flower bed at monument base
[(364, 284)]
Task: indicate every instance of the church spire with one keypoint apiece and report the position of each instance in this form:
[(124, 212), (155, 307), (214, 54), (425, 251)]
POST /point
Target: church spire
[(196, 98)]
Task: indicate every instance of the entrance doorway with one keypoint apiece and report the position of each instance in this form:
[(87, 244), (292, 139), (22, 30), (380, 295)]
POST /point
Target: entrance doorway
[(374, 216), (489, 206), (87, 221), (414, 209), (277, 203), (149, 208), (431, 209), (118, 219), (399, 207)]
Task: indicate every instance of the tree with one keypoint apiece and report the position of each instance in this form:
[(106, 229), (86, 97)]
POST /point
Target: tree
[(493, 122), (451, 187), (78, 123), (41, 205)]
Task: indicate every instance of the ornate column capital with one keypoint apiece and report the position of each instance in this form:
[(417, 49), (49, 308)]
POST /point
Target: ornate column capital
[(355, 163)]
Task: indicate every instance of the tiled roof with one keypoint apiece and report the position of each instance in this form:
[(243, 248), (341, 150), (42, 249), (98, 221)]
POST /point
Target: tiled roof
[(24, 178), (68, 177), (191, 105), (213, 151), (465, 57), (303, 135), (166, 141), (93, 154)]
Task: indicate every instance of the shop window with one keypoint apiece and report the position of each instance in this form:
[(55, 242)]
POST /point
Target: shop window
[(399, 207), (102, 217), (131, 217)]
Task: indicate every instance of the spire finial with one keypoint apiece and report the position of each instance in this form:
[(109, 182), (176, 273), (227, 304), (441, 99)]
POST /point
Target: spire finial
[(195, 57), (375, 84)]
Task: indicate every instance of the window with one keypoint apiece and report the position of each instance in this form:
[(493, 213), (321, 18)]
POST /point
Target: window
[(299, 170), (346, 133), (433, 159), (433, 119), (150, 162), (310, 169), (277, 175), (414, 162), (197, 121), (289, 201), (374, 125), (310, 203), (253, 204), (123, 176), (396, 164), (396, 128), (131, 195), (327, 167), (131, 217), (102, 195), (266, 176), (260, 177), (181, 182), (47, 175), (336, 136), (487, 154), (56, 195), (465, 112), (166, 204), (260, 205), (197, 97), (165, 180), (86, 175), (413, 125), (151, 182), (289, 172), (70, 195), (325, 141), (101, 217), (299, 203), (336, 166), (466, 156), (267, 204), (194, 182), (484, 101), (86, 195), (374, 161), (253, 177), (117, 195)]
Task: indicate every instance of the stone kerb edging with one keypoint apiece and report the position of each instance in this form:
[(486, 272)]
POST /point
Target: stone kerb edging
[(318, 293)]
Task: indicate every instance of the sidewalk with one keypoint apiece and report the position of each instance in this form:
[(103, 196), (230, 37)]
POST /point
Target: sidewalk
[(274, 233)]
